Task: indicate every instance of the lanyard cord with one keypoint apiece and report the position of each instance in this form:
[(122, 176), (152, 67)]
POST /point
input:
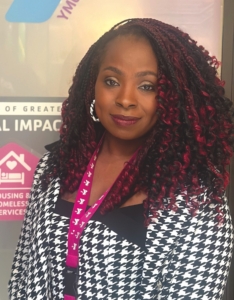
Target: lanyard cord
[(80, 216)]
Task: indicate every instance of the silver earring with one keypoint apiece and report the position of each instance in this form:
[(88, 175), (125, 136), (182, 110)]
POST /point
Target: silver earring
[(92, 112)]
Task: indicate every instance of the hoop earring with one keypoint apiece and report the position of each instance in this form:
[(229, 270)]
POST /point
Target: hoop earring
[(92, 112)]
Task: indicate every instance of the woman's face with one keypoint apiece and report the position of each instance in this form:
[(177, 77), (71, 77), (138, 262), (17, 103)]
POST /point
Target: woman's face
[(125, 90)]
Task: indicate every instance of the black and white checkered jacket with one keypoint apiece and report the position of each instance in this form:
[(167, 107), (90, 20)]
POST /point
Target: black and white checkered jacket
[(185, 257)]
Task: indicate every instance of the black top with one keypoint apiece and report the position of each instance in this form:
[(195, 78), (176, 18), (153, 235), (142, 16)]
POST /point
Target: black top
[(127, 222)]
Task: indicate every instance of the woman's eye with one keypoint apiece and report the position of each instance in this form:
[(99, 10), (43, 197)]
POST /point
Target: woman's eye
[(147, 87), (111, 82)]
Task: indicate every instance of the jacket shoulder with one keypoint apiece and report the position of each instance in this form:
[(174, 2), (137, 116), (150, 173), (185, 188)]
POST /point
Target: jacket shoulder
[(52, 146)]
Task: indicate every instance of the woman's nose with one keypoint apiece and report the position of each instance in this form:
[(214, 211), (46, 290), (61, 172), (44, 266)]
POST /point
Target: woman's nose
[(126, 97)]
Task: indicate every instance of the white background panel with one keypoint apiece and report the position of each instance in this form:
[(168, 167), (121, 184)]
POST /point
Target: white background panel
[(40, 59)]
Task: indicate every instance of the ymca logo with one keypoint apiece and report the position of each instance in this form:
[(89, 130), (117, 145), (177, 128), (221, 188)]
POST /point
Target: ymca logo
[(33, 11), (37, 11)]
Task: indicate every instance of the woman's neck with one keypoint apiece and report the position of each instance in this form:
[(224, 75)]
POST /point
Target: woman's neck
[(119, 148)]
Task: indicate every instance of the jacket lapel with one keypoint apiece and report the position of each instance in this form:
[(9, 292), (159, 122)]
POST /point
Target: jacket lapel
[(42, 210)]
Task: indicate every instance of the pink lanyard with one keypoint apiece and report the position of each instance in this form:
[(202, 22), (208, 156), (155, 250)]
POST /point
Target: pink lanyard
[(80, 216)]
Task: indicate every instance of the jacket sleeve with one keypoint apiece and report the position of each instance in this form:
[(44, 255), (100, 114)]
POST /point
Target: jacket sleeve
[(16, 285), (201, 260)]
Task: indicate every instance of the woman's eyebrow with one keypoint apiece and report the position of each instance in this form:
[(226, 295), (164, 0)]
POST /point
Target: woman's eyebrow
[(114, 69), (139, 74), (145, 73)]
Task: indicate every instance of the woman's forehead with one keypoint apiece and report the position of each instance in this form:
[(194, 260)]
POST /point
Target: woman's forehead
[(128, 45)]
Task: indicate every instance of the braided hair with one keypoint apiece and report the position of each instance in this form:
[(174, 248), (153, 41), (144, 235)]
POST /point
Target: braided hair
[(187, 151)]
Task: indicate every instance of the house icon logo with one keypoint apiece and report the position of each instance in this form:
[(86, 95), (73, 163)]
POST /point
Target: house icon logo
[(17, 166), (12, 160)]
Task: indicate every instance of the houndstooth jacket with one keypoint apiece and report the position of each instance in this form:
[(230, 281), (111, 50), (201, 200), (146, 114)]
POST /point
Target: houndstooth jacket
[(185, 257)]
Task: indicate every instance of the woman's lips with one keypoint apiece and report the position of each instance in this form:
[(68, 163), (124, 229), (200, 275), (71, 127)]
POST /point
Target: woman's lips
[(124, 120)]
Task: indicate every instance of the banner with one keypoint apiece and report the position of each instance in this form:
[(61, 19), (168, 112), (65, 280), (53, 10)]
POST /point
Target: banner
[(26, 125)]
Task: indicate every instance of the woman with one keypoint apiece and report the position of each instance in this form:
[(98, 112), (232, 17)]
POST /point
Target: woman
[(130, 203)]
